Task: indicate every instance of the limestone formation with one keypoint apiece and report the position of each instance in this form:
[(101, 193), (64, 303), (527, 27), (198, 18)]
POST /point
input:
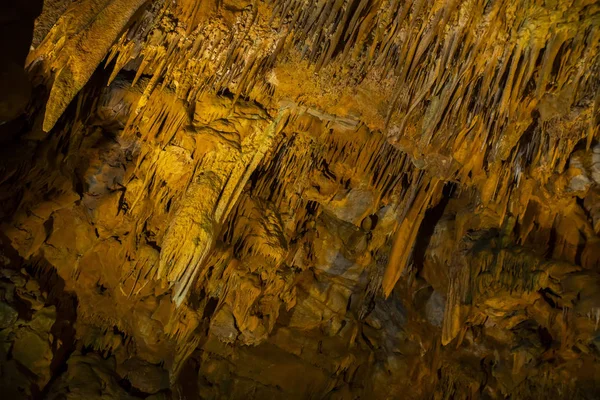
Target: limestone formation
[(298, 199)]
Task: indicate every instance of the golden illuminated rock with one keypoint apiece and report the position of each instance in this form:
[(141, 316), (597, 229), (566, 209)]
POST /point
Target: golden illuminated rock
[(334, 199)]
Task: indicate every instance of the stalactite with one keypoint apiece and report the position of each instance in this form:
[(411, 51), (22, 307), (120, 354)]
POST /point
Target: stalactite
[(74, 69), (384, 195), (427, 194)]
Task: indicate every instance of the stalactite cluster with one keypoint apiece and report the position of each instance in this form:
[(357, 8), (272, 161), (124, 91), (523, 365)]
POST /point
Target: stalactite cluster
[(335, 199)]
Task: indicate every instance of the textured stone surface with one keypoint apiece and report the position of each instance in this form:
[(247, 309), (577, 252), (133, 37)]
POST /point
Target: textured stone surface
[(332, 199)]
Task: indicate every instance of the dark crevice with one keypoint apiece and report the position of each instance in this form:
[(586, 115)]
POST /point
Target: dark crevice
[(430, 220)]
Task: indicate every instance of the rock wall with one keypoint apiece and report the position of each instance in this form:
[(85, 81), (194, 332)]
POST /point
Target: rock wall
[(333, 199)]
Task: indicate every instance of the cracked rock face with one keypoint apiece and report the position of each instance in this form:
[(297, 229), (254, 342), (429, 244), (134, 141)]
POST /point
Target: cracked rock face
[(333, 199)]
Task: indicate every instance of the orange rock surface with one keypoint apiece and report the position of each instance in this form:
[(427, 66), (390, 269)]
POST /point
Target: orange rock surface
[(300, 199)]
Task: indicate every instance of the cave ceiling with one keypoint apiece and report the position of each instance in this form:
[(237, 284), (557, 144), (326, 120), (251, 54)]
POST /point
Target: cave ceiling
[(300, 199)]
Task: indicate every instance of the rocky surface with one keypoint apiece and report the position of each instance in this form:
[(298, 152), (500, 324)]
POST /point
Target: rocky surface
[(334, 199)]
